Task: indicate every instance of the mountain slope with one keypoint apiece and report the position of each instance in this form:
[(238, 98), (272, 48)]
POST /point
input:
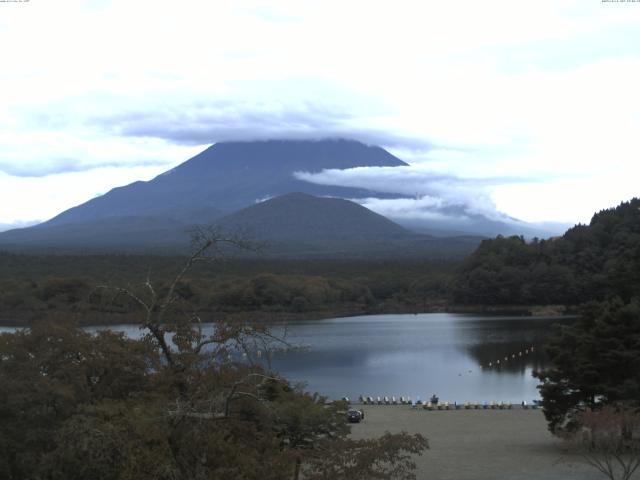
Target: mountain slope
[(298, 224), (232, 175), (125, 233), (298, 216), (462, 223), (226, 178), (293, 225)]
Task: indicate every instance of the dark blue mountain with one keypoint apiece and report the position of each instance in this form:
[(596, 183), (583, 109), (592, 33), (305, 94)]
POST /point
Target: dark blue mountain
[(293, 225), (229, 176), (301, 225)]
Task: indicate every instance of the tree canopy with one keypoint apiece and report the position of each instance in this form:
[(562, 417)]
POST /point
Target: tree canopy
[(596, 268), (589, 262), (595, 362), (177, 404)]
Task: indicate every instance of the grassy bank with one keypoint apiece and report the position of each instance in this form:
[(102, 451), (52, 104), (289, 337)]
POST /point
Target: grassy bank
[(479, 444)]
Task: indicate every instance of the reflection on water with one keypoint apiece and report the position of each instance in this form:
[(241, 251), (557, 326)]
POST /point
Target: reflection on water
[(414, 355), (491, 340), (446, 354)]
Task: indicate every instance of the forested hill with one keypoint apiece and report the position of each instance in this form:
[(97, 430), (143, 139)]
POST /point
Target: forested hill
[(589, 262)]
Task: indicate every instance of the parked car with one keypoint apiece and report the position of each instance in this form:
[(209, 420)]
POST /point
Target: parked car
[(354, 416)]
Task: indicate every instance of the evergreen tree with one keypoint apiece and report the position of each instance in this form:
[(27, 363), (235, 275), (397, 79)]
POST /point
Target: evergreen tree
[(589, 262), (596, 362)]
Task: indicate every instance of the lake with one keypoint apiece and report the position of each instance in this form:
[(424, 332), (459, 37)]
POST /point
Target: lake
[(452, 355), (445, 354)]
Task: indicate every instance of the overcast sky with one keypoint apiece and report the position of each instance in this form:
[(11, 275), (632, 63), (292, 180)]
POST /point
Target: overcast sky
[(534, 105)]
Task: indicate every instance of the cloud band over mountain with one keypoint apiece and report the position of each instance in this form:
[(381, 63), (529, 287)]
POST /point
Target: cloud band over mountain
[(113, 85), (426, 194)]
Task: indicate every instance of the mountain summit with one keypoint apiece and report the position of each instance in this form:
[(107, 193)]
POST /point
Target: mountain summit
[(247, 186), (229, 176)]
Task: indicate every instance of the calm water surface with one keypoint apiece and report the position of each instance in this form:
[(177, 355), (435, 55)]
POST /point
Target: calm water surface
[(446, 354), (416, 355)]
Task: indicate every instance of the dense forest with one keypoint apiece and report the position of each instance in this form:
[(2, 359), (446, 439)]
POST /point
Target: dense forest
[(589, 262), (33, 286)]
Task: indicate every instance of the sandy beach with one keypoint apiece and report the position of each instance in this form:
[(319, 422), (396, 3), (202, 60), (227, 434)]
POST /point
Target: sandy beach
[(479, 444)]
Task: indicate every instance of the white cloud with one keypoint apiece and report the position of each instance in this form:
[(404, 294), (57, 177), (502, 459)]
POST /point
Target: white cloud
[(423, 208), (45, 153), (425, 192), (40, 198), (572, 200), (544, 90)]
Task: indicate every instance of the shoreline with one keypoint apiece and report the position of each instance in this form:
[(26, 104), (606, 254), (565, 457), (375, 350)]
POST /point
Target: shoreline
[(95, 319)]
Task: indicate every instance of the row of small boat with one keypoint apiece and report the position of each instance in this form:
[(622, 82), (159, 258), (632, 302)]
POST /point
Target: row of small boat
[(385, 400), (366, 400), (477, 406)]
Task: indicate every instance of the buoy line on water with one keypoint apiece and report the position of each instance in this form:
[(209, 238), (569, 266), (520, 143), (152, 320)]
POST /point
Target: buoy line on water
[(513, 356)]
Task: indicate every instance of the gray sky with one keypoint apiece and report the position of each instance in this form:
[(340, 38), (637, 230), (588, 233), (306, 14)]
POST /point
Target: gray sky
[(531, 108)]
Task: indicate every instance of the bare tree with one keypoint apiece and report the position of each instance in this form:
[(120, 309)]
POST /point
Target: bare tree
[(609, 441), (216, 386), (177, 330)]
